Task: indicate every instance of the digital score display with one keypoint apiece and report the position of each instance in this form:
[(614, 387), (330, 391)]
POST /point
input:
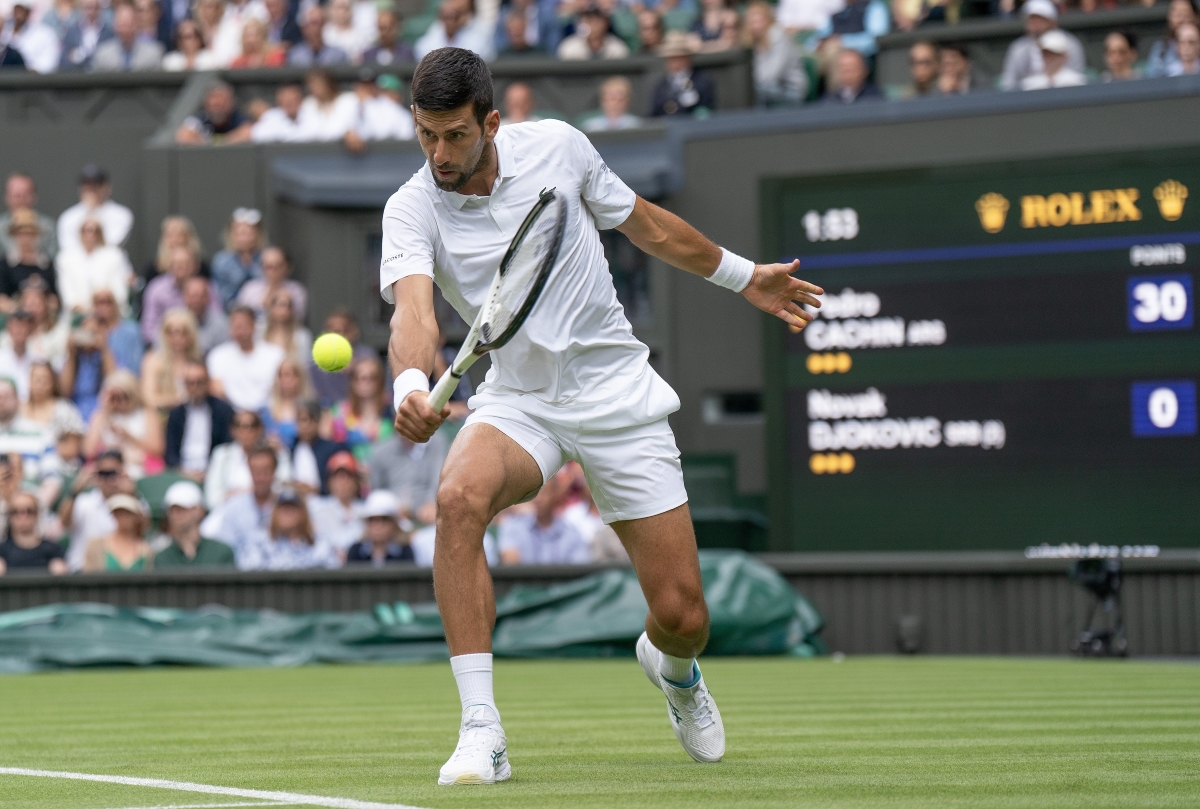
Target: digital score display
[(1006, 355)]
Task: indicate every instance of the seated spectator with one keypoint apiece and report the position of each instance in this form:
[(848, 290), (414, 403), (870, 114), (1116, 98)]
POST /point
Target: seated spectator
[(25, 549), (120, 335), (89, 361), (59, 14), (615, 94), (63, 468), (45, 406), (153, 24), (1056, 48), (16, 360), (125, 51), (332, 386), (94, 203), (37, 43), (20, 191), (190, 53), (125, 550), (580, 511), (226, 40), (954, 70), (122, 422), (291, 388), (327, 114), (1024, 56), (218, 121), (50, 333), (24, 259), (923, 64), (518, 104), (310, 453), (166, 292), (457, 26), (513, 35), (89, 30), (379, 116), (82, 271), (852, 84), (909, 14), (1187, 47), (364, 418), (84, 510), (684, 90), (196, 427), (1163, 52), (11, 59), (290, 542), (337, 517), (1120, 57), (164, 366), (282, 328), (242, 520), (593, 39), (410, 472), (538, 535), (778, 77), (391, 88), (185, 511), (281, 123), (30, 441), (175, 231), (651, 31), (212, 325), (243, 369), (12, 481), (383, 540), (389, 48), (229, 471), (274, 276), (241, 259), (257, 49), (805, 16), (314, 51), (856, 27), (340, 31)]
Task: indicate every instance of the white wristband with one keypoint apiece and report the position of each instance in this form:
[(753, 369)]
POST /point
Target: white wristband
[(734, 272), (406, 383)]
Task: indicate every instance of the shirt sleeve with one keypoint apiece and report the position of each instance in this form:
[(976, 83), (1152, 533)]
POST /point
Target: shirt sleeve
[(605, 194), (408, 240)]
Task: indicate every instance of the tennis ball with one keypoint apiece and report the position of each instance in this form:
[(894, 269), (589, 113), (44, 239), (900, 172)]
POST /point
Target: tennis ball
[(332, 352)]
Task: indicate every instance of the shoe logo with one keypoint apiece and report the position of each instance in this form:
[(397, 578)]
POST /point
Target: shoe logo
[(675, 714), (497, 755)]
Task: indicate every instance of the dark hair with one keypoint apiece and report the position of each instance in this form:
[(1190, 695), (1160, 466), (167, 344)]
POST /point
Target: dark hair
[(448, 78), (311, 408), (1128, 35), (264, 451), (242, 309), (957, 47)]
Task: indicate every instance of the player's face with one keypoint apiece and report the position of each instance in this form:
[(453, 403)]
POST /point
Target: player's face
[(454, 143)]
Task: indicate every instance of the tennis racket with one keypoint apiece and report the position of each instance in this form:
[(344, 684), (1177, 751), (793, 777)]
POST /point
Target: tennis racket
[(515, 290)]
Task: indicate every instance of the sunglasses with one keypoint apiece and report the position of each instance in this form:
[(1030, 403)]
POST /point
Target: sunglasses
[(23, 512), (107, 473), (246, 425)]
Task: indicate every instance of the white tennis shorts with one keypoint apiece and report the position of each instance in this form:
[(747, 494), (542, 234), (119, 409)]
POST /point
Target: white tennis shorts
[(633, 472)]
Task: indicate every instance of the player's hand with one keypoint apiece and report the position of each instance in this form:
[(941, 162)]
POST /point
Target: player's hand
[(776, 292), (416, 420)]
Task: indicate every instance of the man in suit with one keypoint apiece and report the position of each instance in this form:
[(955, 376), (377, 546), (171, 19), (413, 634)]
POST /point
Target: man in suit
[(311, 454), (684, 90), (197, 426), (126, 51), (83, 36)]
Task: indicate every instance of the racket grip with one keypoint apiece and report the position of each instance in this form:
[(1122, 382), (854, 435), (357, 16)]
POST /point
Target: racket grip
[(443, 389)]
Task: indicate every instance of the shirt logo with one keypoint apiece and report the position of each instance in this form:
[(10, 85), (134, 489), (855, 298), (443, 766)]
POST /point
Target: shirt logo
[(390, 259)]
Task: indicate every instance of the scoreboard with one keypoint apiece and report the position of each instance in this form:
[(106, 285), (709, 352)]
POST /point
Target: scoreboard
[(1006, 355)]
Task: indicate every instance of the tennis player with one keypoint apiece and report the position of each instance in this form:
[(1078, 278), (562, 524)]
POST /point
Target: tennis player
[(574, 383)]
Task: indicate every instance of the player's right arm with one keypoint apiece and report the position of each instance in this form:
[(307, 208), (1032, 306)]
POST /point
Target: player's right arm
[(412, 345)]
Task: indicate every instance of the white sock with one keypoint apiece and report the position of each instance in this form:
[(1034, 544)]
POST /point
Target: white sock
[(678, 670), (473, 673)]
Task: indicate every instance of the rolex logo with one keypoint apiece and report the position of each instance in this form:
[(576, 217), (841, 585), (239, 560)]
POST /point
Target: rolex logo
[(993, 210), (1170, 195)]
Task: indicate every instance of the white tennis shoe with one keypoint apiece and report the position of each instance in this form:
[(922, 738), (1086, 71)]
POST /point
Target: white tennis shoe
[(481, 756), (692, 710)]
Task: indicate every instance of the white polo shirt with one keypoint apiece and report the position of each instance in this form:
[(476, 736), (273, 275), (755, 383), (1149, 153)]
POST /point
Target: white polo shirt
[(575, 361)]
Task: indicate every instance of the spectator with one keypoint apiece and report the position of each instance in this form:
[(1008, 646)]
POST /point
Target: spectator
[(281, 123), (1187, 48), (954, 70), (30, 441), (229, 472), (457, 26), (226, 39), (50, 334), (125, 550), (1120, 57), (651, 31), (327, 114), (923, 66), (615, 94), (856, 27), (123, 422), (311, 453), (364, 418), (539, 535), (593, 39), (24, 548), (1024, 56), (11, 482), (1056, 48), (211, 323), (340, 31), (332, 386), (797, 16), (290, 542), (852, 85), (241, 259), (190, 53), (163, 367), (282, 328), (337, 517), (390, 88), (94, 203), (82, 271), (185, 511), (378, 116), (166, 292), (314, 51), (243, 369), (518, 104), (389, 48), (59, 15), (244, 519), (10, 58), (528, 28), (198, 426), (25, 258), (281, 24), (85, 508), (153, 24), (120, 335), (291, 388), (257, 49), (125, 51), (684, 90), (778, 77), (1164, 52), (37, 43), (89, 30), (89, 361), (384, 540), (218, 121), (45, 406), (63, 467), (20, 191), (16, 360), (410, 472), (274, 277)]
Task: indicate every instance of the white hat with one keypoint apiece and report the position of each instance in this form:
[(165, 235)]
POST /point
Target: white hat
[(126, 502), (1042, 8), (184, 494), (1054, 41), (381, 503)]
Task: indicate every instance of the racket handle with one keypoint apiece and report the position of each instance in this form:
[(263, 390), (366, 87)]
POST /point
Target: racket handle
[(443, 389)]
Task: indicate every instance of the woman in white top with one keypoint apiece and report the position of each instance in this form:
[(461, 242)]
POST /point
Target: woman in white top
[(342, 32), (228, 471), (281, 327), (190, 53), (91, 267), (326, 115), (122, 422), (51, 328), (162, 368)]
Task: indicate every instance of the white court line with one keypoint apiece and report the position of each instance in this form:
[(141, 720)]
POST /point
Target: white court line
[(285, 798), (205, 805)]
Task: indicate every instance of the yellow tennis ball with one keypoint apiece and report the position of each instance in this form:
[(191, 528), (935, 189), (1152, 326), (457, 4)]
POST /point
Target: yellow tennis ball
[(332, 352)]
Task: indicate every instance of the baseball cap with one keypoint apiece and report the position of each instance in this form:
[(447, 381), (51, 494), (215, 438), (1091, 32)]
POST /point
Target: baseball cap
[(366, 75), (342, 461), (247, 216), (1054, 41), (390, 83), (126, 502), (184, 494), (1042, 8), (93, 175), (381, 503), (24, 219)]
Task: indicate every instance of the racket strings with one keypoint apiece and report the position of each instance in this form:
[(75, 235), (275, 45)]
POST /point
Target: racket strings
[(525, 267)]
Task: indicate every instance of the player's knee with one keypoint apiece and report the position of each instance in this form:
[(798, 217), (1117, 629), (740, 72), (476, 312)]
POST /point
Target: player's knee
[(683, 615), (460, 504)]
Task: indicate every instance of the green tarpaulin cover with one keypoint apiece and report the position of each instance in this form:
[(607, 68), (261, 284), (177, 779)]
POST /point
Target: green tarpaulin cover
[(753, 610)]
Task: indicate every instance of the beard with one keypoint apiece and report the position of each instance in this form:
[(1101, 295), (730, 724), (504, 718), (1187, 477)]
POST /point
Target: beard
[(463, 176)]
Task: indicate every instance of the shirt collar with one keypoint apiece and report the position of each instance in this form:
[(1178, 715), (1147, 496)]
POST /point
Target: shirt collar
[(507, 168)]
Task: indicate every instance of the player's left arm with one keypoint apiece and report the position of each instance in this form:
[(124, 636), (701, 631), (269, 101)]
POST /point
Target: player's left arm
[(770, 287)]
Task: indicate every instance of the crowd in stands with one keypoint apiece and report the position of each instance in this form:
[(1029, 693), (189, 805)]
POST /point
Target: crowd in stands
[(171, 416)]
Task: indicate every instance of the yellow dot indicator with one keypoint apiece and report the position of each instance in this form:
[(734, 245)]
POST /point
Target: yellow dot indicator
[(828, 363), (831, 463), (817, 463), (845, 463), (843, 362)]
